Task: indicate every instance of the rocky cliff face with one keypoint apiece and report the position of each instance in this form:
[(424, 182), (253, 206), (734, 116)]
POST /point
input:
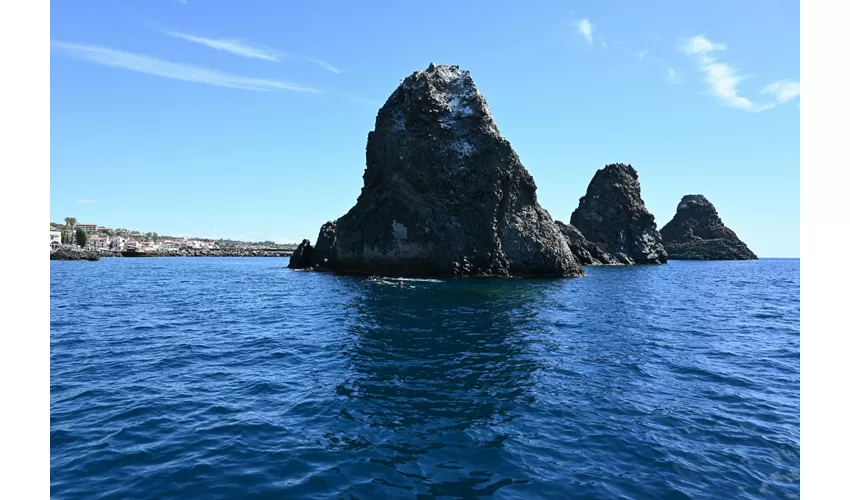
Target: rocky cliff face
[(613, 216), (444, 193), (697, 233), (587, 252), (323, 256)]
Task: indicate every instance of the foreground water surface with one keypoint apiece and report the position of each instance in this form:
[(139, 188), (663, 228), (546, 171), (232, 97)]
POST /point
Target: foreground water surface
[(239, 378)]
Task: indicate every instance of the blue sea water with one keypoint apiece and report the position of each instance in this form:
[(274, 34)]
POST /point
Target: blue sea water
[(240, 378)]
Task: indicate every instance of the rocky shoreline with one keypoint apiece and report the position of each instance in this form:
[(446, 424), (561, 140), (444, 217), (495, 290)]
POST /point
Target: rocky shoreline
[(66, 254)]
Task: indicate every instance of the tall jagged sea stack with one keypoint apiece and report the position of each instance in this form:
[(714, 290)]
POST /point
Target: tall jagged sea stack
[(443, 193)]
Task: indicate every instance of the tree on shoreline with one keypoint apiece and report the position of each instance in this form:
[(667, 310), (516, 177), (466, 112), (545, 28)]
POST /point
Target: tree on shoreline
[(82, 237)]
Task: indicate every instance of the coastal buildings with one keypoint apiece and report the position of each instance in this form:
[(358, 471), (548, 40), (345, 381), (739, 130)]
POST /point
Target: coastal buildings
[(117, 244), (170, 245), (100, 242), (55, 238), (87, 227)]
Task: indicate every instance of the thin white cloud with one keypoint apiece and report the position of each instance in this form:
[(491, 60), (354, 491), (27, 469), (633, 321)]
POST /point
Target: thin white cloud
[(642, 54), (586, 30), (700, 45), (319, 62), (166, 69), (184, 2), (784, 90), (604, 45), (243, 49), (673, 76), (722, 79), (86, 201), (228, 45)]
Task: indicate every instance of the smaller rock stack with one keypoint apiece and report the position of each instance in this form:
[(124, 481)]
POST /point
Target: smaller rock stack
[(697, 233), (612, 215), (302, 256)]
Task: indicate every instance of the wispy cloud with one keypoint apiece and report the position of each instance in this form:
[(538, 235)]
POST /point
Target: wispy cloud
[(784, 90), (641, 54), (184, 2), (673, 76), (700, 45), (166, 69), (243, 49), (604, 45), (586, 30), (86, 201), (228, 45), (722, 79), (318, 62)]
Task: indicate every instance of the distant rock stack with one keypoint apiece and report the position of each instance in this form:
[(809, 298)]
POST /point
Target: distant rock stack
[(612, 215), (697, 233), (302, 256), (443, 193)]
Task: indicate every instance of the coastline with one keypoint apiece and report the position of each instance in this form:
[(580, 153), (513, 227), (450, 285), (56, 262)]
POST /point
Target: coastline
[(217, 252)]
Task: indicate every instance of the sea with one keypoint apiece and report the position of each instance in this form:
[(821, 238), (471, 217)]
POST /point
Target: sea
[(240, 378)]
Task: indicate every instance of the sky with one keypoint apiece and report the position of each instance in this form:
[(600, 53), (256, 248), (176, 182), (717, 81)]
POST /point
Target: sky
[(249, 119)]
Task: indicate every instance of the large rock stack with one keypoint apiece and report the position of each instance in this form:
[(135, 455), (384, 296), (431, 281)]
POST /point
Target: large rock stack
[(613, 216), (443, 193), (697, 233)]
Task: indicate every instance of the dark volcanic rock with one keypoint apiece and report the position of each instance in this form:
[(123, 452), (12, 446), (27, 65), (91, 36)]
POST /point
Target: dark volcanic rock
[(587, 252), (302, 256), (67, 254), (444, 193), (612, 215), (323, 254), (697, 233)]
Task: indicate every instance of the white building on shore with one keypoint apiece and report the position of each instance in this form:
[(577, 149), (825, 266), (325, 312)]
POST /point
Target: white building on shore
[(100, 242), (117, 244), (55, 238)]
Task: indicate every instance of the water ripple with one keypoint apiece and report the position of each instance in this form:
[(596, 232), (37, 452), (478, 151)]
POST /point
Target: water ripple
[(237, 377)]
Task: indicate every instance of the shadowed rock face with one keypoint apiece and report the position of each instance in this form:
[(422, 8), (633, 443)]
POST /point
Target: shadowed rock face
[(323, 255), (65, 254), (302, 256), (613, 216), (443, 193), (697, 233), (587, 252)]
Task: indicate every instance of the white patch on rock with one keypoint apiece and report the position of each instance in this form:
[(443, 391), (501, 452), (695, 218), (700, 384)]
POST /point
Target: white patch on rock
[(398, 123), (399, 230), (462, 147)]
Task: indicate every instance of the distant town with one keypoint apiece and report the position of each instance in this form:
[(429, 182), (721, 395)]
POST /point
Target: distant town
[(89, 236)]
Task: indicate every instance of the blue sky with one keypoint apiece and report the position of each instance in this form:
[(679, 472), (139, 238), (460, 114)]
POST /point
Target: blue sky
[(249, 119)]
